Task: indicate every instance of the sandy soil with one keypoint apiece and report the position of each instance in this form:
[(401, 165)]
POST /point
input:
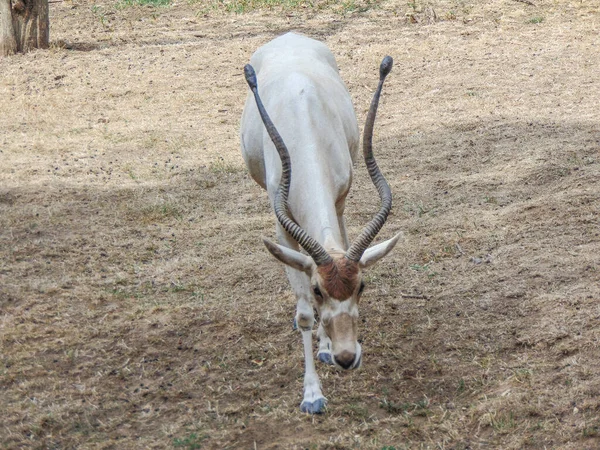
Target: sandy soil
[(139, 308)]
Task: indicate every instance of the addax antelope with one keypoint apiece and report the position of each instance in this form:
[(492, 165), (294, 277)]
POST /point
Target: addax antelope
[(302, 152)]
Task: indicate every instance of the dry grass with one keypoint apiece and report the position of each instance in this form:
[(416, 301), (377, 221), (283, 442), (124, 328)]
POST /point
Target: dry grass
[(140, 310)]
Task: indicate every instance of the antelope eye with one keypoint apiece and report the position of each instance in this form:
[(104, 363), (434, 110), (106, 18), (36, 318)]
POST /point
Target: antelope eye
[(317, 292), (361, 288)]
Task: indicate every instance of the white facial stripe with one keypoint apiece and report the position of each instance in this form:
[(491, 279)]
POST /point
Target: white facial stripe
[(325, 315), (346, 307)]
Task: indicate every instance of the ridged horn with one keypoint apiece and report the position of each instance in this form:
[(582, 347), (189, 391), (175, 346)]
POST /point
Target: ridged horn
[(312, 247), (361, 243)]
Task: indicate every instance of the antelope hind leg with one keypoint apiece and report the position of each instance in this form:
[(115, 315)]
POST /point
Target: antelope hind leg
[(324, 353), (313, 402)]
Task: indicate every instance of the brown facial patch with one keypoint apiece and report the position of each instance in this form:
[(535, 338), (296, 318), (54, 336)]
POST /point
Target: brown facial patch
[(339, 278)]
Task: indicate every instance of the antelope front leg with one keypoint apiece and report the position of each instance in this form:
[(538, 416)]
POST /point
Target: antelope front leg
[(313, 402)]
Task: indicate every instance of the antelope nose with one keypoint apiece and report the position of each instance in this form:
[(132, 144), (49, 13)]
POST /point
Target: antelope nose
[(345, 359)]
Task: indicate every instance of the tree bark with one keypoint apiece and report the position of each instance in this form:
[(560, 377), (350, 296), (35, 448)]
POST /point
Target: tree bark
[(24, 25)]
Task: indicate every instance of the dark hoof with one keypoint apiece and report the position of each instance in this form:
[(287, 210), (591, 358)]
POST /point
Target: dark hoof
[(316, 407), (325, 358)]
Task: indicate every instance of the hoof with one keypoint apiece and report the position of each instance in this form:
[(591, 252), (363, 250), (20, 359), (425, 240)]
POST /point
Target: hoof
[(325, 357), (316, 407)]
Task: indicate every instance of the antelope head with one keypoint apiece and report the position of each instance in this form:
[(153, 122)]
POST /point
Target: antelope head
[(336, 277)]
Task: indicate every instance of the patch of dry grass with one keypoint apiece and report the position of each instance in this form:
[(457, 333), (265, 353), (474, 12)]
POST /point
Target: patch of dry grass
[(139, 309)]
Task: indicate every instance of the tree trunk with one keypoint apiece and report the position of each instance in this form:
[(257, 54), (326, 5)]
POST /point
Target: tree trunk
[(24, 25)]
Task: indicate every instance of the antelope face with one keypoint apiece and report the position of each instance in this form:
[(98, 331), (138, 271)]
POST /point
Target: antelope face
[(337, 288), (336, 285)]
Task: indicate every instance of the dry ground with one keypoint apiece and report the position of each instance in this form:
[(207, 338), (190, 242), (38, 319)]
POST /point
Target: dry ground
[(139, 308)]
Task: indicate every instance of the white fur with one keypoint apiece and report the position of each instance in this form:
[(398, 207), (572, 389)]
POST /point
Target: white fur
[(375, 253), (300, 87)]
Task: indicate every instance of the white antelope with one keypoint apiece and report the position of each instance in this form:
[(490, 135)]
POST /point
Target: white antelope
[(301, 88)]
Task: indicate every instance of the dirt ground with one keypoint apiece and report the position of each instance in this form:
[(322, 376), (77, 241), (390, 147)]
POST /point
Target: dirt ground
[(139, 308)]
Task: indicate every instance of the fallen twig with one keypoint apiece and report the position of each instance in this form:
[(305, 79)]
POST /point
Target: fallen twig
[(527, 2), (417, 296)]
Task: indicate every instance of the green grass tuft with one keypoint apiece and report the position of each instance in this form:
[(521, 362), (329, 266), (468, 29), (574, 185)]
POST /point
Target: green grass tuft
[(156, 3), (191, 442), (245, 6), (536, 20)]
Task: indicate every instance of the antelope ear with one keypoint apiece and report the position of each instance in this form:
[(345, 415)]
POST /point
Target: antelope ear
[(375, 253), (290, 257)]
